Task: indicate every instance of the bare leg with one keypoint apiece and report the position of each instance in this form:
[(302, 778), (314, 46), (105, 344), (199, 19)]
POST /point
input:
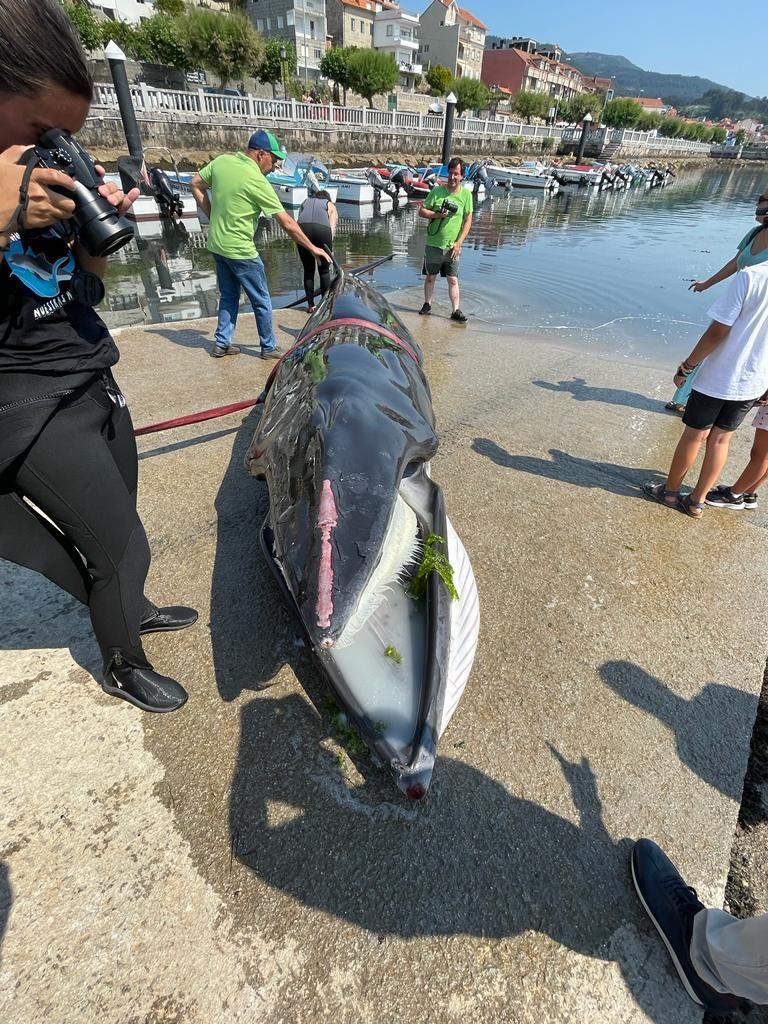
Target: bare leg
[(713, 465), (685, 456), (756, 471), (429, 287), (453, 293)]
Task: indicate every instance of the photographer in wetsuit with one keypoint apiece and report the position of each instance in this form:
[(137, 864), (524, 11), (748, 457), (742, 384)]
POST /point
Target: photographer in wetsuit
[(448, 208), (67, 448)]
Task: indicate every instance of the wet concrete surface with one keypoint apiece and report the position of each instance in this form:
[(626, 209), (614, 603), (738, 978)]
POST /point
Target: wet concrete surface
[(231, 862)]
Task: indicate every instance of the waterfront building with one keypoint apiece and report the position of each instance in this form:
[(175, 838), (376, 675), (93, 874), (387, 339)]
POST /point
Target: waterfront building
[(453, 37), (396, 32), (134, 11), (301, 22), (529, 71), (350, 22)]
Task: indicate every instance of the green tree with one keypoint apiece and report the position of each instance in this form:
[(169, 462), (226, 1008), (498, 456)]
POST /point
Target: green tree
[(648, 121), (741, 137), (335, 67), (573, 110), (122, 33), (225, 44), (439, 78), (671, 127), (622, 113), (85, 24), (719, 134), (271, 68), (173, 8), (372, 73), (531, 104), (157, 41), (471, 94)]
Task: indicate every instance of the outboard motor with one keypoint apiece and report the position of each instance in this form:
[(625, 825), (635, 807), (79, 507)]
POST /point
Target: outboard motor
[(310, 180), (398, 180), (380, 187), (166, 197)]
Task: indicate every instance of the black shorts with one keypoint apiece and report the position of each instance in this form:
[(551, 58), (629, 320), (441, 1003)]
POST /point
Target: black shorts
[(438, 262), (703, 412)]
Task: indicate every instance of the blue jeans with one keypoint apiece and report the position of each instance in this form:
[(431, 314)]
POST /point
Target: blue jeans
[(231, 276)]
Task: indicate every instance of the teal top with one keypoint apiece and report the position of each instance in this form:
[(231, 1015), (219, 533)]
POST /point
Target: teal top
[(745, 257)]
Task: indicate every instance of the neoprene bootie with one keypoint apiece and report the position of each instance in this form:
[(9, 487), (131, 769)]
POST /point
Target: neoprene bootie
[(167, 620)]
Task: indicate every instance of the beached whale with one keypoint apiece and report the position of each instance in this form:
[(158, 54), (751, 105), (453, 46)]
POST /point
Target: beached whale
[(357, 532)]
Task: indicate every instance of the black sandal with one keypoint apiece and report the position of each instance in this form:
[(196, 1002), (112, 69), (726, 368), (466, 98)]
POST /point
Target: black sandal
[(658, 492), (694, 509)]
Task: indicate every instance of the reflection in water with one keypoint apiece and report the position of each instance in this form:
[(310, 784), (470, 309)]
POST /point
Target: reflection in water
[(607, 270)]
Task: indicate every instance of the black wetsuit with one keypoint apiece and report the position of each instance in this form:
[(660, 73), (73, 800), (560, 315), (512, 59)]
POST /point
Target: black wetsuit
[(314, 221), (67, 446)]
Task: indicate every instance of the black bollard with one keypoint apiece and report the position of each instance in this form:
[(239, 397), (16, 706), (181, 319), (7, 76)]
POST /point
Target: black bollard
[(116, 60), (587, 124), (450, 110)]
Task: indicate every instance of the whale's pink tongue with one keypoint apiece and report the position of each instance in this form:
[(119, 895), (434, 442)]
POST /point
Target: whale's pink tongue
[(326, 521)]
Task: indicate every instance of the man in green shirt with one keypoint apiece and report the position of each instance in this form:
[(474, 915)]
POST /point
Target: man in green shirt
[(239, 193), (449, 212)]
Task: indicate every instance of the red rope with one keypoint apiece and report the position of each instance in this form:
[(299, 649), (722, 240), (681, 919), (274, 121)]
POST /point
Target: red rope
[(196, 417)]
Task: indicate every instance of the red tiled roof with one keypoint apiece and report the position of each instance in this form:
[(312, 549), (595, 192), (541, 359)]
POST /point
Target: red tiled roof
[(363, 5), (466, 15)]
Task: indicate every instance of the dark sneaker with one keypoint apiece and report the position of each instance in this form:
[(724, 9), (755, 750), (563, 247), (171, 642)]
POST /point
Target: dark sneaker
[(458, 316), (141, 686), (219, 351), (168, 620), (272, 353), (723, 497), (672, 906), (425, 310), (750, 499)]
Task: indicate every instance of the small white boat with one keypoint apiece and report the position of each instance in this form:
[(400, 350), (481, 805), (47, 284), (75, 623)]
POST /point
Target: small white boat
[(530, 174), (301, 176), (367, 187)]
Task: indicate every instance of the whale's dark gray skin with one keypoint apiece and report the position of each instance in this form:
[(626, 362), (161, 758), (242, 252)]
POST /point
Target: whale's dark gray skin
[(344, 443)]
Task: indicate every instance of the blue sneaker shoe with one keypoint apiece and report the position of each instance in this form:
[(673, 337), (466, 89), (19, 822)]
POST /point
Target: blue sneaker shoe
[(672, 906)]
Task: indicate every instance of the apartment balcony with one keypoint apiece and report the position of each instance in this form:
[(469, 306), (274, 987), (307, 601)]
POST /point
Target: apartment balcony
[(410, 69)]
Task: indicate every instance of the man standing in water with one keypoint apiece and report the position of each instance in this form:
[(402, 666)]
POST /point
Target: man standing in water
[(449, 212), (239, 193)]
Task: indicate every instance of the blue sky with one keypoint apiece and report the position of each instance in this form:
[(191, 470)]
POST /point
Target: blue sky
[(708, 38)]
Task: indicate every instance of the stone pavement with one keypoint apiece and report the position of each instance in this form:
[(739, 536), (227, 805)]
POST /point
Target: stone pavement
[(231, 863)]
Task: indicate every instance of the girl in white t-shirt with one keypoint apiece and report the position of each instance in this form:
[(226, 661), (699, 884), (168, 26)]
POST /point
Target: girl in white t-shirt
[(743, 493)]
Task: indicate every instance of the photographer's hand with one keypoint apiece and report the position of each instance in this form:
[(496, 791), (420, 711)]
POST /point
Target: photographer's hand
[(44, 207)]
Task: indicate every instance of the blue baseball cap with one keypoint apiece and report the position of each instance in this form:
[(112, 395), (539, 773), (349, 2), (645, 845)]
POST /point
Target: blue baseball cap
[(266, 141)]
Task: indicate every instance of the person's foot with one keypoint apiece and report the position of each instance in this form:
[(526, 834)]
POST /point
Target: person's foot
[(426, 309), (723, 497), (750, 500), (458, 316), (168, 620), (272, 353), (219, 351), (675, 407), (310, 310), (141, 686), (672, 906)]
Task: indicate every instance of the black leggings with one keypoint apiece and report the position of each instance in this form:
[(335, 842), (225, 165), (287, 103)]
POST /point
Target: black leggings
[(319, 236), (75, 458)]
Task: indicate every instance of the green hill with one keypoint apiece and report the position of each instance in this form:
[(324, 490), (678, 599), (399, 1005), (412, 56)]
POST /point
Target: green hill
[(630, 79)]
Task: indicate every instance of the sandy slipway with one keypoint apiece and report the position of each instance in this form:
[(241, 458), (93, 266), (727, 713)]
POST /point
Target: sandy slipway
[(233, 863)]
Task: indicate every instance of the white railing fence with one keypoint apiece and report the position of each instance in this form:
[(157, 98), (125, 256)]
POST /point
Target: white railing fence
[(329, 116)]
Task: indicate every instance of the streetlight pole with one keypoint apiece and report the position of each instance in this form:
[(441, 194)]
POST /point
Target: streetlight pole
[(304, 34), (450, 110), (283, 55), (583, 140), (116, 60)]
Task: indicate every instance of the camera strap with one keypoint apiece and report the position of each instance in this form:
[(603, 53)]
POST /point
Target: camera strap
[(14, 224)]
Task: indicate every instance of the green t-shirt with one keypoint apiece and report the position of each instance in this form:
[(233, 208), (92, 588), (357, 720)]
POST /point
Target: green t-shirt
[(239, 193), (444, 236)]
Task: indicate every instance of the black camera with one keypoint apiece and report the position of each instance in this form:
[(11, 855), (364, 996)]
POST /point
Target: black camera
[(98, 225), (449, 206)]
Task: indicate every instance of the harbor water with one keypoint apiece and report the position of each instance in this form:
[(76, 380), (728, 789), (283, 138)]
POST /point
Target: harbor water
[(607, 271)]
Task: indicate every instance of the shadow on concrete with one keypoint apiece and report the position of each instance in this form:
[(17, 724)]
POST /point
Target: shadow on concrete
[(6, 901), (608, 476), (703, 726), (252, 632), (186, 338), (473, 859), (191, 442), (584, 392)]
